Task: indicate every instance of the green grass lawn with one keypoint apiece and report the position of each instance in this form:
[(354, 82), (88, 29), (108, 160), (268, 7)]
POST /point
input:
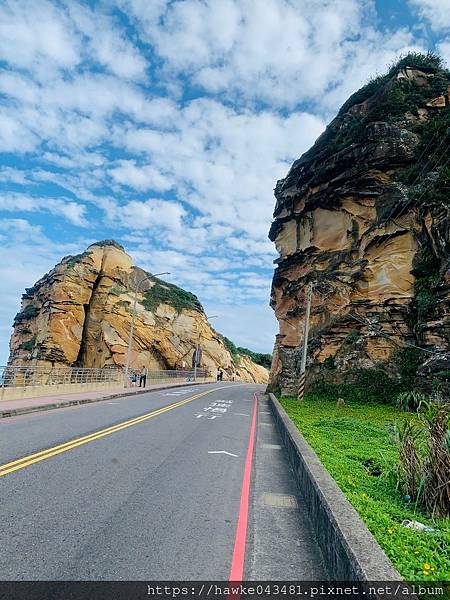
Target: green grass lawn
[(354, 444)]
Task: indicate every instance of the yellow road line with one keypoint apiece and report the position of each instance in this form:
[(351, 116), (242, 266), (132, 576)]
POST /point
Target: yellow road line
[(30, 459)]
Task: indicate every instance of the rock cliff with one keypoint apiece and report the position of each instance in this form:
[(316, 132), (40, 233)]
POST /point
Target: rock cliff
[(364, 216), (80, 314)]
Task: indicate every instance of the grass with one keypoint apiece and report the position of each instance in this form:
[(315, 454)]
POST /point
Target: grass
[(353, 442)]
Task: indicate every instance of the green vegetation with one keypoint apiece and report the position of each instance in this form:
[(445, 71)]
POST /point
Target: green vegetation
[(415, 60), (167, 293), (354, 444), (265, 360), (116, 291), (76, 259), (394, 99), (29, 312), (371, 385), (427, 271), (410, 401), (109, 243), (28, 345), (424, 465)]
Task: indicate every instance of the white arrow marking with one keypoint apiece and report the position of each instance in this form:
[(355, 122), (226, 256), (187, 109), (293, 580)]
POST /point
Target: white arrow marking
[(221, 452)]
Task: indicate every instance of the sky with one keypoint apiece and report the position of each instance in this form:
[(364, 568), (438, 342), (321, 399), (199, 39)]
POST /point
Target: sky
[(165, 124)]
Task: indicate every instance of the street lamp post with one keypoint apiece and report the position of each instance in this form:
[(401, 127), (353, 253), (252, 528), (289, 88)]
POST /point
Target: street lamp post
[(133, 318), (197, 347)]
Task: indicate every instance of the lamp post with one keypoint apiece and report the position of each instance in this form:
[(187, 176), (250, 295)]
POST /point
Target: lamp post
[(196, 353), (133, 318)]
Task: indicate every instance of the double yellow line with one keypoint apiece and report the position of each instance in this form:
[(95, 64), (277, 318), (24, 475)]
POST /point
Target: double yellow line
[(26, 461)]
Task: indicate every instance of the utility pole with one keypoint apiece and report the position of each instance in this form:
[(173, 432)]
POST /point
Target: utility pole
[(301, 387)]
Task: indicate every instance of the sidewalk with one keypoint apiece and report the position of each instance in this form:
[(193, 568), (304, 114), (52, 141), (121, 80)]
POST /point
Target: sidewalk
[(11, 408)]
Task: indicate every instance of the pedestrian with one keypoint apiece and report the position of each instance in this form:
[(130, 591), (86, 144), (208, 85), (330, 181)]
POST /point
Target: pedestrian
[(218, 374), (143, 377)]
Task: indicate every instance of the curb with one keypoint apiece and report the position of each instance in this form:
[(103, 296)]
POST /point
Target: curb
[(349, 549), (14, 412)]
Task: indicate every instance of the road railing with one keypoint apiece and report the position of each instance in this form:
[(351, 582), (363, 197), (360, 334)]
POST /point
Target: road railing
[(42, 376), (167, 376), (36, 376)]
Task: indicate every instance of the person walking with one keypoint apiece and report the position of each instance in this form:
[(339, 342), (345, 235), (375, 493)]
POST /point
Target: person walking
[(143, 377), (218, 374)]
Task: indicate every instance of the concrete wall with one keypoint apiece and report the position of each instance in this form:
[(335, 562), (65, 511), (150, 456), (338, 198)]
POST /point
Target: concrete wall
[(35, 391), (349, 549)]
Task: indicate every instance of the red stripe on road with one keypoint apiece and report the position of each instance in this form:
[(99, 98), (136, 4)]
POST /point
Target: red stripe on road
[(237, 563)]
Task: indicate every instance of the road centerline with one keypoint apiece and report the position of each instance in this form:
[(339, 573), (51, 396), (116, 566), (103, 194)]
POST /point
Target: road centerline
[(28, 460)]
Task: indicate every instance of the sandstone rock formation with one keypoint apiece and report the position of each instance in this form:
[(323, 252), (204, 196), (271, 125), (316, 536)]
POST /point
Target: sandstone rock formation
[(80, 314), (364, 215)]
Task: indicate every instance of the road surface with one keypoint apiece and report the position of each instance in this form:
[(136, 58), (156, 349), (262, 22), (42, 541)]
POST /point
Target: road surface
[(182, 484)]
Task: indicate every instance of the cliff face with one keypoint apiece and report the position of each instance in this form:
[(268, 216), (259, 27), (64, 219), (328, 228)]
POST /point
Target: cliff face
[(80, 314), (364, 216)]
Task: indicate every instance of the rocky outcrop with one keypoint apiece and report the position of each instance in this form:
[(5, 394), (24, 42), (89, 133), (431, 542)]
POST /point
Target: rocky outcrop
[(364, 216), (79, 314)]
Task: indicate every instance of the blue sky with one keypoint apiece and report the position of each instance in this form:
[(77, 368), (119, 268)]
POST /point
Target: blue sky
[(165, 125)]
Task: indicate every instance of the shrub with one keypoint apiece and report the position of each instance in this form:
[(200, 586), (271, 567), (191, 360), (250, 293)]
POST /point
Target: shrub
[(329, 363), (377, 386), (29, 312), (29, 344), (436, 477), (424, 460), (167, 293), (351, 337), (410, 464), (410, 401)]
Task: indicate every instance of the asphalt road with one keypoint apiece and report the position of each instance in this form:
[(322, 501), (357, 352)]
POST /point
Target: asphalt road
[(151, 488)]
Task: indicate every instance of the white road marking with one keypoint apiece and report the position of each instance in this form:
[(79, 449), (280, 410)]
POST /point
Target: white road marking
[(222, 452), (242, 414), (271, 446)]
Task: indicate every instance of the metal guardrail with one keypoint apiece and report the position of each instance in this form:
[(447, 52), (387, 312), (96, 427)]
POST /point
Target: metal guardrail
[(26, 376), (168, 375)]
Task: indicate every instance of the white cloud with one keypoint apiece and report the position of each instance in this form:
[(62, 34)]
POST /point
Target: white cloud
[(437, 12), (143, 178), (278, 51), (74, 212), (171, 136), (152, 215)]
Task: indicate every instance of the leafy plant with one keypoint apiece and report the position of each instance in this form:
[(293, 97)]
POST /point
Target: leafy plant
[(436, 486), (410, 464), (410, 401)]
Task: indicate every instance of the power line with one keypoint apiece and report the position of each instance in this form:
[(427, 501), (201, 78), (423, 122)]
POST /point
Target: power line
[(412, 184)]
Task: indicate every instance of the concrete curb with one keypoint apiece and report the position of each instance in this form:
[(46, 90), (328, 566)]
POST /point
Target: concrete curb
[(14, 412), (348, 547)]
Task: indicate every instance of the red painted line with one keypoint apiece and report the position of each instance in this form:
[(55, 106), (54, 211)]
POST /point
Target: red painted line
[(237, 563)]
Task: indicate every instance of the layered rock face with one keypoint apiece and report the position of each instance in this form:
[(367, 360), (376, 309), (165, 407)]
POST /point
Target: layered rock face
[(80, 313), (364, 216)]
